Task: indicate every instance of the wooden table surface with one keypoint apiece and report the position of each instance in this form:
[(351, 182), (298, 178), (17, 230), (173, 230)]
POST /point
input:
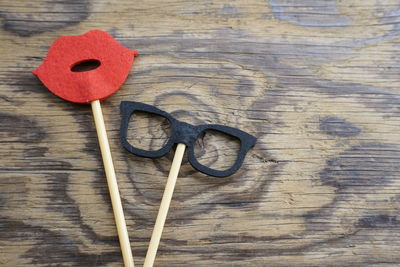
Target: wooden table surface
[(316, 81)]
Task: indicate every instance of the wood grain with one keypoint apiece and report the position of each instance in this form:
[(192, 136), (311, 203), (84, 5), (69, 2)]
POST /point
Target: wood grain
[(316, 81)]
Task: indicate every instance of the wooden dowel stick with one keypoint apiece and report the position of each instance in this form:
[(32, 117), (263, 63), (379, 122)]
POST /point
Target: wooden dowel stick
[(165, 202), (112, 185)]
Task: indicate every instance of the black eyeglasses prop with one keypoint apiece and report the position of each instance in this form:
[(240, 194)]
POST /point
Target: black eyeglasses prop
[(184, 135)]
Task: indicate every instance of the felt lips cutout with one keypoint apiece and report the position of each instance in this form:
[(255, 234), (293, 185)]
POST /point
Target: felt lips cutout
[(114, 60)]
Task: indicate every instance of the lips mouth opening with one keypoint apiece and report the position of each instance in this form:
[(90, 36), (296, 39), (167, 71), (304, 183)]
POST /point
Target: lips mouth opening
[(85, 65)]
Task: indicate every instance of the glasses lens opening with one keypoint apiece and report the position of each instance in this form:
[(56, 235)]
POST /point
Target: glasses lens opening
[(148, 131), (216, 150)]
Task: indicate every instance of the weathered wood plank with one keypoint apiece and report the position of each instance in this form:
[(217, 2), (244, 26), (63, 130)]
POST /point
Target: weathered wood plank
[(316, 81)]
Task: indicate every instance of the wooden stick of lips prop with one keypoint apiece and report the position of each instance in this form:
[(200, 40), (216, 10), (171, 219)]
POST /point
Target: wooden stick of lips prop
[(61, 72)]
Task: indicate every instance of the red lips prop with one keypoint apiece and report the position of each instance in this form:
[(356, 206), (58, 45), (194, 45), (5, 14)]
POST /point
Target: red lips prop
[(84, 87), (113, 62)]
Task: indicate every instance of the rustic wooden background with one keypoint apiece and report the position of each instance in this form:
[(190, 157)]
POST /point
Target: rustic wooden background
[(317, 81)]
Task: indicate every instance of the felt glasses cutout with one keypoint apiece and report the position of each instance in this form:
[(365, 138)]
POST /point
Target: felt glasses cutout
[(182, 132)]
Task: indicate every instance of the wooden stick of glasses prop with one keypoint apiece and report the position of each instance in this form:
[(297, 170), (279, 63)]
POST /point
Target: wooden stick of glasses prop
[(183, 134), (86, 69), (164, 207)]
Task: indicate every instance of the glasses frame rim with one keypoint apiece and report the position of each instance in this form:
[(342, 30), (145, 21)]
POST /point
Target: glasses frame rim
[(128, 108)]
